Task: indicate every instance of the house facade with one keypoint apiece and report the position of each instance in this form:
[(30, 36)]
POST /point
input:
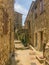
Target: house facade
[(18, 20), (37, 22)]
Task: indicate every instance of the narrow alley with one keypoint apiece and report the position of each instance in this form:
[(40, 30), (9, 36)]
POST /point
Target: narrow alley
[(24, 32), (25, 56)]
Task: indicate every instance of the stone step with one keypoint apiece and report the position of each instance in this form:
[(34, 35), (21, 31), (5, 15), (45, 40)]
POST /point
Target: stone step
[(40, 59), (47, 62)]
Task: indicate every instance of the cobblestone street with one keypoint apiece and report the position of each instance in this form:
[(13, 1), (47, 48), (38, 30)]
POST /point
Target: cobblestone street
[(25, 56)]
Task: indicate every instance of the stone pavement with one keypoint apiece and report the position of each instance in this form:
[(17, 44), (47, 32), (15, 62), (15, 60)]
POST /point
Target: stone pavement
[(18, 44), (26, 57)]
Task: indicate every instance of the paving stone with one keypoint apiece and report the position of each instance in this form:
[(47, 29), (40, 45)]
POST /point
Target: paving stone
[(33, 63), (26, 58)]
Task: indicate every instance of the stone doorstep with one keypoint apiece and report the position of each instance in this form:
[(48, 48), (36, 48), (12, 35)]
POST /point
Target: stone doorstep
[(40, 59), (26, 47), (38, 55), (47, 62)]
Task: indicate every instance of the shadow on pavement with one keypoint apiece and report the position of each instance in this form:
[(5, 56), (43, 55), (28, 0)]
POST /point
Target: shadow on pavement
[(25, 48), (13, 61)]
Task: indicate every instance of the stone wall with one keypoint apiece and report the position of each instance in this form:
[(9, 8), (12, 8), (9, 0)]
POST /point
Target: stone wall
[(29, 24), (39, 24), (6, 31)]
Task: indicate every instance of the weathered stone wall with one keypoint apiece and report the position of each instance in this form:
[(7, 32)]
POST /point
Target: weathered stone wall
[(39, 26), (6, 31), (29, 24)]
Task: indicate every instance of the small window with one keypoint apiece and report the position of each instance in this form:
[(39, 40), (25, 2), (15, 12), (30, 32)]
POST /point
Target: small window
[(35, 15), (35, 7), (41, 6), (35, 12), (29, 24)]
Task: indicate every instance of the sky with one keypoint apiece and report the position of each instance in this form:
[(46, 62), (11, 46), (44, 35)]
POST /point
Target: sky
[(22, 6)]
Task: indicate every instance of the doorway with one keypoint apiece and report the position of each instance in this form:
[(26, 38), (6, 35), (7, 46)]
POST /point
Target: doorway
[(36, 39), (41, 45)]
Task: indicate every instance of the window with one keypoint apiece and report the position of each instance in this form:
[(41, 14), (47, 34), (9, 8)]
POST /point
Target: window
[(41, 6), (35, 12), (29, 24), (35, 15), (36, 39)]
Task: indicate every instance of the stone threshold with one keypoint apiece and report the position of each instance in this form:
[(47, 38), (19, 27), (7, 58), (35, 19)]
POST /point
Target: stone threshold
[(39, 55), (47, 62), (41, 60)]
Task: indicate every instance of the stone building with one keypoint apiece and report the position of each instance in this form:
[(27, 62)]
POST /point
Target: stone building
[(17, 23), (6, 31), (29, 25), (41, 23), (37, 22), (18, 20)]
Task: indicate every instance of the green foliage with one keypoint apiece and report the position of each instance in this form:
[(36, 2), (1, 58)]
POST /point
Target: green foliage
[(16, 35), (24, 40), (23, 37)]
